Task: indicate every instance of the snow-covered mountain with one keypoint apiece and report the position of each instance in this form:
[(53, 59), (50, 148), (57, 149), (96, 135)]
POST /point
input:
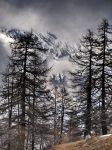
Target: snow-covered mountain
[(50, 41), (58, 54)]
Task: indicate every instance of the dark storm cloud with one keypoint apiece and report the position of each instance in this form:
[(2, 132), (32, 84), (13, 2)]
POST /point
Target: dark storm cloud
[(57, 6), (58, 3)]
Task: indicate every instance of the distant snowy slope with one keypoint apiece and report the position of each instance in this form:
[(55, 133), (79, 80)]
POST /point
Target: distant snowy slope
[(58, 54)]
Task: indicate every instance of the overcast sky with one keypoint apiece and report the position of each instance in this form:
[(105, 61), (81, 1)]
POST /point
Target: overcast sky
[(68, 19)]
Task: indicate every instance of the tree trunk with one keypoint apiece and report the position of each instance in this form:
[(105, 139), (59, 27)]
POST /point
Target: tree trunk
[(22, 136), (62, 117), (103, 109), (89, 105), (55, 119)]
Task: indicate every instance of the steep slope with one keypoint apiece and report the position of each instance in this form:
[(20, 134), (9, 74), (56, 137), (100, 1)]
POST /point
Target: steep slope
[(96, 143), (58, 55), (50, 41)]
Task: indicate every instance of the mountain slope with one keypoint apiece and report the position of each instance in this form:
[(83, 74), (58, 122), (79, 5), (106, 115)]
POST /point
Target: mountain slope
[(96, 143), (58, 55)]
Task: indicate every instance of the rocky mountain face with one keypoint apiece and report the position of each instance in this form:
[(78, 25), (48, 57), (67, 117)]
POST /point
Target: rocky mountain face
[(58, 54)]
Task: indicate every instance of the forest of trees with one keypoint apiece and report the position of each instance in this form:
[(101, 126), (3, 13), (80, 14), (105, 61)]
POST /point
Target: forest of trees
[(35, 111)]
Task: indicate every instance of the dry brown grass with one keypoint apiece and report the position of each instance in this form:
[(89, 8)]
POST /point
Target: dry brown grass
[(96, 143)]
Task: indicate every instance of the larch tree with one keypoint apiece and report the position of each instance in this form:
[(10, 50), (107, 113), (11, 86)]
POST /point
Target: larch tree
[(28, 86), (103, 70), (82, 79)]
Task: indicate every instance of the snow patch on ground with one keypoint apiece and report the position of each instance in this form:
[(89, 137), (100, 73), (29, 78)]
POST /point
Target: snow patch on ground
[(105, 135)]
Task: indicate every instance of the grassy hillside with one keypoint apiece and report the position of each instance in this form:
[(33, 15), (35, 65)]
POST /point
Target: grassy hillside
[(96, 143)]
